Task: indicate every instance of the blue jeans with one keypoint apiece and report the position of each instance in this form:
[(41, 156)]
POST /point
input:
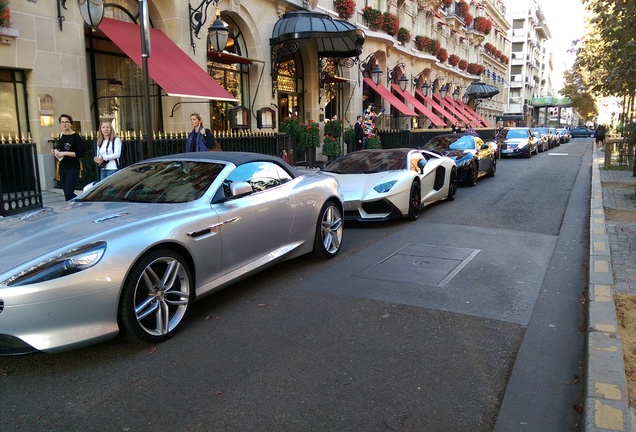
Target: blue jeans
[(68, 181), (106, 173)]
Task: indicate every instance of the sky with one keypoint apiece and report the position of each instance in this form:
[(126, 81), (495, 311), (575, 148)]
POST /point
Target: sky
[(566, 23)]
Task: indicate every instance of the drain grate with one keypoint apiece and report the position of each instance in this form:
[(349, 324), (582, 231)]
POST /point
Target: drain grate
[(421, 264)]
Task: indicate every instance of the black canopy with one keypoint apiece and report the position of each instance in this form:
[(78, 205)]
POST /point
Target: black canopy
[(481, 90)]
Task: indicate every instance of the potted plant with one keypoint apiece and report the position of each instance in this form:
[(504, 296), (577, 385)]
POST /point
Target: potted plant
[(483, 25), (373, 142), (333, 128), (5, 14), (463, 64), (309, 140), (345, 8), (404, 35), (442, 55), (464, 12), (390, 23), (349, 136), (291, 127), (331, 147), (453, 60), (373, 17)]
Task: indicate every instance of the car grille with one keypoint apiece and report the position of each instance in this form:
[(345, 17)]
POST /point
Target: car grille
[(375, 207)]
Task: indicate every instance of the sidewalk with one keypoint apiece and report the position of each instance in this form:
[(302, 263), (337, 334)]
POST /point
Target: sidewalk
[(612, 268)]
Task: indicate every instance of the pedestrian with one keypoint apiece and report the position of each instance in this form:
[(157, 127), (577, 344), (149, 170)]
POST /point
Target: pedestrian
[(457, 128), (600, 137), (359, 134), (69, 150), (200, 138), (108, 150)]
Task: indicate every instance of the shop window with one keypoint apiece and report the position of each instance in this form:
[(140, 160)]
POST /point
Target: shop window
[(14, 121)]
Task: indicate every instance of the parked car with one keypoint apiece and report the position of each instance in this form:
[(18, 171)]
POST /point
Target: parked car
[(555, 134), (516, 141), (392, 183), (473, 157), (545, 140), (131, 254), (581, 132), (564, 134)]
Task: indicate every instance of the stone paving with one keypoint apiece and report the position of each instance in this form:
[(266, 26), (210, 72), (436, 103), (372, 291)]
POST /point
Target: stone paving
[(619, 194)]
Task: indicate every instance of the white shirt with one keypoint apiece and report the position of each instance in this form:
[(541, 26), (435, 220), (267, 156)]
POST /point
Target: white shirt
[(110, 152)]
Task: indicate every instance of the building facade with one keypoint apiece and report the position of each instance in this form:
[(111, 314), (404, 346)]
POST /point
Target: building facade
[(412, 60)]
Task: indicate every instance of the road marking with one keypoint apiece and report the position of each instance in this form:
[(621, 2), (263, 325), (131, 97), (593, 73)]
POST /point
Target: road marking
[(559, 154)]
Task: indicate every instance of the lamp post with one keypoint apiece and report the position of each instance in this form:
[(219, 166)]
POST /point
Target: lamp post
[(456, 95), (92, 12), (443, 91), (218, 34)]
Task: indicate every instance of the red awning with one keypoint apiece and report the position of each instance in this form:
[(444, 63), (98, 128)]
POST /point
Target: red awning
[(419, 106), (436, 106), (475, 114), (474, 121), (390, 98), (175, 72), (452, 109)]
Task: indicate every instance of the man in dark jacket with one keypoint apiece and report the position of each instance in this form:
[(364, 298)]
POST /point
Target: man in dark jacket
[(359, 140)]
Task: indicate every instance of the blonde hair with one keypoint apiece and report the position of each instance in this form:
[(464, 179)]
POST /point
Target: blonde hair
[(197, 115), (101, 136)]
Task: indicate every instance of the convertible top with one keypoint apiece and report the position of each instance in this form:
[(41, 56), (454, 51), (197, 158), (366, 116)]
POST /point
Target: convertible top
[(236, 158)]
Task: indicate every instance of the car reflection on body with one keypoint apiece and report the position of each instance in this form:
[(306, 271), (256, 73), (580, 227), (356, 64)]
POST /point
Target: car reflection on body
[(473, 157), (516, 141), (392, 183), (131, 254)]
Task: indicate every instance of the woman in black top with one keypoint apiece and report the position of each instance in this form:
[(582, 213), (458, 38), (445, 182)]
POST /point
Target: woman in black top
[(70, 148)]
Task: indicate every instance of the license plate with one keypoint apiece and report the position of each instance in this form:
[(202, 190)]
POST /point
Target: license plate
[(506, 151)]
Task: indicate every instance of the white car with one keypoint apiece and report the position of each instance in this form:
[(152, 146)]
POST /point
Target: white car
[(392, 183)]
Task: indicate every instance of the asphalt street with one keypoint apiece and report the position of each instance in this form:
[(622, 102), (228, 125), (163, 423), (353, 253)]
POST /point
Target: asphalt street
[(469, 319)]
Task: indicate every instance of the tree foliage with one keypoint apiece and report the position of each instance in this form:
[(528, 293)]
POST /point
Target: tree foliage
[(606, 53)]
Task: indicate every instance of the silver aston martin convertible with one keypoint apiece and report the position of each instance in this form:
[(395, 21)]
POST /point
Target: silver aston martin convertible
[(131, 254)]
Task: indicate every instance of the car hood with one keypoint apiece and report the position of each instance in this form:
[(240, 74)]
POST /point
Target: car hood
[(458, 155), (360, 186), (41, 232)]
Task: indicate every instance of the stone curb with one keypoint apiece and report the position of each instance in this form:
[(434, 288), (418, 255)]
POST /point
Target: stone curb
[(605, 407)]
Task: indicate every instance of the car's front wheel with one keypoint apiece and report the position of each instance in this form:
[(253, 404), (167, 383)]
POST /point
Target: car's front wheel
[(452, 185), (493, 167), (328, 231), (156, 297), (473, 175), (415, 201)]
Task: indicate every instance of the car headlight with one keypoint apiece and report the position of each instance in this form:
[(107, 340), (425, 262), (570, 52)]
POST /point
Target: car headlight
[(384, 187), (73, 261), (463, 162)]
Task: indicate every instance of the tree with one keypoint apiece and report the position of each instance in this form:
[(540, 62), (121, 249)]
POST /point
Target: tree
[(576, 88)]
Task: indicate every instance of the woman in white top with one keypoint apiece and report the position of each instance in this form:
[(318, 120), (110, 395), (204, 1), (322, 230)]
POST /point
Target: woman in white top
[(109, 150)]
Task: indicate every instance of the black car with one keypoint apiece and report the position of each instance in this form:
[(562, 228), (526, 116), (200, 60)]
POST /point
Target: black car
[(516, 141), (581, 132), (473, 157)]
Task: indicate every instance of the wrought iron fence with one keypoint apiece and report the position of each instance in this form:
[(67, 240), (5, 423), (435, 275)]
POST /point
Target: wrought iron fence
[(135, 148), (19, 177), (618, 152)]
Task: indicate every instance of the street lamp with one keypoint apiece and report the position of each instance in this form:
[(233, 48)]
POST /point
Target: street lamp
[(426, 88), (376, 75), (456, 95), (92, 12), (443, 91), (465, 98), (404, 81), (218, 34)]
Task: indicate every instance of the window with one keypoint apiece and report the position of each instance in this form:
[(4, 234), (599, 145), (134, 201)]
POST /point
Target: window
[(260, 175), (13, 116)]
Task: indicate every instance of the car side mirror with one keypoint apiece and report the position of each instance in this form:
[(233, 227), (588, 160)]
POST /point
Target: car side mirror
[(421, 164), (484, 146), (238, 189)]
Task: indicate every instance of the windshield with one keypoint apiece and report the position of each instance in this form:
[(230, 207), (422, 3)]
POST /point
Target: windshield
[(156, 182), (540, 130), (514, 133), (369, 161), (450, 142)]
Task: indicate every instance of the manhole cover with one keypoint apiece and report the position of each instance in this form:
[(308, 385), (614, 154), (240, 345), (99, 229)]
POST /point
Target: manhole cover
[(421, 264)]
